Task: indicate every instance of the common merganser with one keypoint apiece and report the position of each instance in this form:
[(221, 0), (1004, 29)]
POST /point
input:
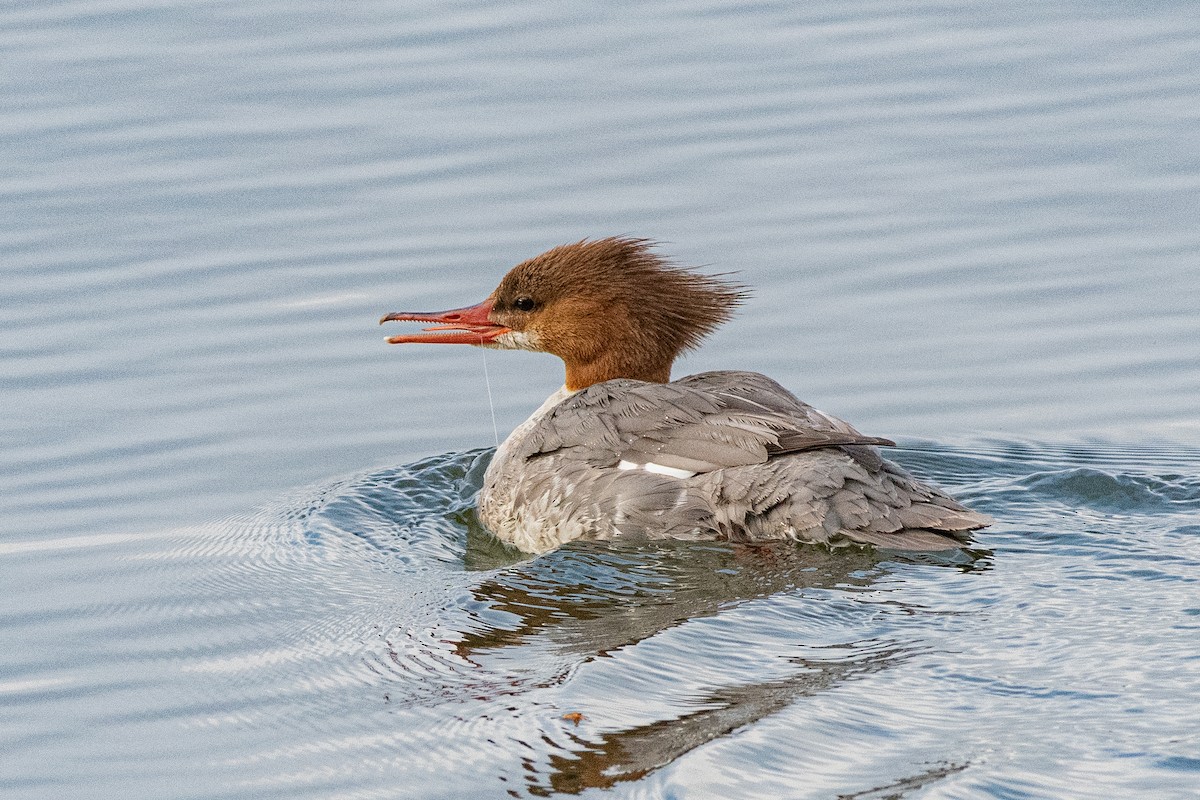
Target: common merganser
[(620, 452)]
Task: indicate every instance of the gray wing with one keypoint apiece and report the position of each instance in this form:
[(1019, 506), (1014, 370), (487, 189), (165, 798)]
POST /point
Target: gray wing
[(702, 423), (825, 496), (765, 465)]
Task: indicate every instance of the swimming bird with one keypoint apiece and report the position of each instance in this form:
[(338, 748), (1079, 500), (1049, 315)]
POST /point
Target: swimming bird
[(622, 452)]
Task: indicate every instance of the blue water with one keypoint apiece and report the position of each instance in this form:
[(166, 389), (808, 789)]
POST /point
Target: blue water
[(238, 556)]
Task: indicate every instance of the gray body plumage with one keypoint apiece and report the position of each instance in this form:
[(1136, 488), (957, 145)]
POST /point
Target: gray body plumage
[(719, 455)]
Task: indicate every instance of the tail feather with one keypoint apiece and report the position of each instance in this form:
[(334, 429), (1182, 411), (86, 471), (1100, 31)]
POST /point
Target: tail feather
[(907, 539)]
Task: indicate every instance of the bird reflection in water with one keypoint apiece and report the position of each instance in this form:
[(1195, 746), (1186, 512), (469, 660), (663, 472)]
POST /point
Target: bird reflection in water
[(659, 647), (589, 601)]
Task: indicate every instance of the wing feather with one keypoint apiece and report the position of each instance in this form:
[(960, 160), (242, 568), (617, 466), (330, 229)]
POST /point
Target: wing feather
[(764, 465)]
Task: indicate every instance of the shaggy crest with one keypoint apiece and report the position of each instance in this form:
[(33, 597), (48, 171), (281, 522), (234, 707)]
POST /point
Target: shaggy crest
[(613, 308)]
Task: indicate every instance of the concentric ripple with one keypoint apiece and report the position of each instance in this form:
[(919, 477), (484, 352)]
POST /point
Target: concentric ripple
[(366, 634), (957, 217)]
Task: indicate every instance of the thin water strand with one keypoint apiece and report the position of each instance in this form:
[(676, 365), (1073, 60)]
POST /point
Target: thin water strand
[(491, 404)]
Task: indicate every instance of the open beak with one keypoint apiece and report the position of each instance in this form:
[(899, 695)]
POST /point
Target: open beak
[(469, 325)]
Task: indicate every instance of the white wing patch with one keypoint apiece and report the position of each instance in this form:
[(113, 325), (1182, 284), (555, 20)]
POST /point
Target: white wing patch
[(657, 469)]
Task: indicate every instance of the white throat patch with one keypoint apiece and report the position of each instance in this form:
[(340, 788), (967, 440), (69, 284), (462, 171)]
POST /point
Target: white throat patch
[(516, 340)]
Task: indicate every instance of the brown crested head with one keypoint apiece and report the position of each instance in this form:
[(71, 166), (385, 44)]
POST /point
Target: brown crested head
[(611, 308)]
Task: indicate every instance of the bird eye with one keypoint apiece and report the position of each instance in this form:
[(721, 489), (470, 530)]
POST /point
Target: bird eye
[(524, 304)]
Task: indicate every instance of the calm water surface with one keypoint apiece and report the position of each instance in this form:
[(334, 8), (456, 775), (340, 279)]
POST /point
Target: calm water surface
[(238, 556)]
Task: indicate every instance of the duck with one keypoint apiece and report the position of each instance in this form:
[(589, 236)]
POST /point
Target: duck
[(622, 453)]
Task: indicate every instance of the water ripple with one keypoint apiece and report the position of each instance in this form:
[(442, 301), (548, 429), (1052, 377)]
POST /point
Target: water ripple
[(347, 613), (958, 218)]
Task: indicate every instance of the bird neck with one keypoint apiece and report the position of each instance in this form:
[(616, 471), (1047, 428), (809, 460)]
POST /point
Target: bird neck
[(610, 366)]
